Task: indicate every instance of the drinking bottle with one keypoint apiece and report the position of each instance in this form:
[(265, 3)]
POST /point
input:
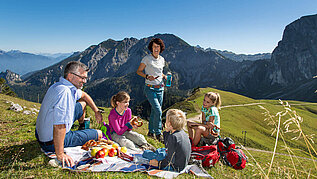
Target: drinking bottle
[(169, 79)]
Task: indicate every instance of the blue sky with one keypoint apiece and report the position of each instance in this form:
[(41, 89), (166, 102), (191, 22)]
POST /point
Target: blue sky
[(245, 26)]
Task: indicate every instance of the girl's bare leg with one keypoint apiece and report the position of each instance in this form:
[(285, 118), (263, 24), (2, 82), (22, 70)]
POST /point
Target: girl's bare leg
[(190, 130), (200, 130)]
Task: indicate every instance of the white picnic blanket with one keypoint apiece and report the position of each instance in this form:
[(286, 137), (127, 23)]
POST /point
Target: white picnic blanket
[(116, 164)]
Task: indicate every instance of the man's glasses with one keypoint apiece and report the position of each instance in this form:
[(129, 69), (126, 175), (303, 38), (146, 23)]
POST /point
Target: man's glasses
[(82, 77)]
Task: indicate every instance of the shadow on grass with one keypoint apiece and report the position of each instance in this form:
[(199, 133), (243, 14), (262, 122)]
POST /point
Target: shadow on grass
[(19, 153)]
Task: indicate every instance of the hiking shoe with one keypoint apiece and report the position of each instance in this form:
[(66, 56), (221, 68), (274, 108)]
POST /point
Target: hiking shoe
[(160, 138), (148, 146), (151, 135)]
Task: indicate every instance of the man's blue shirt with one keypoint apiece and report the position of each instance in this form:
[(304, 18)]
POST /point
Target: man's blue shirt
[(57, 107)]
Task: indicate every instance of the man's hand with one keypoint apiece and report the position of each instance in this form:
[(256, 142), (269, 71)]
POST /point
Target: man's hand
[(59, 132), (65, 159), (98, 117), (92, 105)]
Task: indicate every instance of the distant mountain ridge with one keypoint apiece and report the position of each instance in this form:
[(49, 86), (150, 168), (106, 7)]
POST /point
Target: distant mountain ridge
[(238, 57), (27, 62), (113, 65), (112, 61), (242, 57)]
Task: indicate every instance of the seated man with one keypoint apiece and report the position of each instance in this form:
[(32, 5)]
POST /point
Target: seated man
[(64, 103)]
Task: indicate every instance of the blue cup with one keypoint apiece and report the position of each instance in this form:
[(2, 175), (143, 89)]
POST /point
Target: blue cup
[(87, 123)]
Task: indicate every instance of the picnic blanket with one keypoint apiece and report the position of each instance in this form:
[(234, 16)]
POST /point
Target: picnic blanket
[(85, 163)]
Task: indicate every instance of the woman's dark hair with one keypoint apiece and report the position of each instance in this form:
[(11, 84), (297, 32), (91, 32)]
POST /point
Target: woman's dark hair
[(157, 41)]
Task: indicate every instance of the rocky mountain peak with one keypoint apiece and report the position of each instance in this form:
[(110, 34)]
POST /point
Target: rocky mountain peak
[(295, 57)]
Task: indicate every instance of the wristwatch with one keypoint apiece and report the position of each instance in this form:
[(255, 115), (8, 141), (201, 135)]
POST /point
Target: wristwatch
[(146, 76)]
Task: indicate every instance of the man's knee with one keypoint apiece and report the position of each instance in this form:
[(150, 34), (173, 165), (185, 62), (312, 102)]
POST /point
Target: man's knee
[(83, 104), (99, 134)]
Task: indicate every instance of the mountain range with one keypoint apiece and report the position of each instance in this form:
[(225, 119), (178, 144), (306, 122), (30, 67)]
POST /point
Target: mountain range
[(27, 62), (241, 57), (288, 74)]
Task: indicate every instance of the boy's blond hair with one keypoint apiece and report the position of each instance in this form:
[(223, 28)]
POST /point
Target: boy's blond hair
[(177, 118)]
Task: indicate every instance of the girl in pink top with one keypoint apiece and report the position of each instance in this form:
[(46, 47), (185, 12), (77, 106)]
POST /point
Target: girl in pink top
[(121, 128)]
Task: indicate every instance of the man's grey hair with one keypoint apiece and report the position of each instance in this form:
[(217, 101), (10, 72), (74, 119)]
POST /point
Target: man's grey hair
[(73, 67)]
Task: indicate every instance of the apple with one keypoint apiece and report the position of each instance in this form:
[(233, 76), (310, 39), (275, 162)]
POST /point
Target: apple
[(111, 152), (100, 154), (105, 151)]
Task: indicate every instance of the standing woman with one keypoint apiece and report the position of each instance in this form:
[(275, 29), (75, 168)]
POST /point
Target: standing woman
[(152, 65)]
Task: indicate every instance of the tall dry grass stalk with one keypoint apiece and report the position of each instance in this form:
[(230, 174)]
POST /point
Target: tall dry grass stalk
[(292, 124), (262, 173)]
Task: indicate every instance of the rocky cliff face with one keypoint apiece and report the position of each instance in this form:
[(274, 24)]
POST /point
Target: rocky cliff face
[(10, 77), (293, 63), (295, 57)]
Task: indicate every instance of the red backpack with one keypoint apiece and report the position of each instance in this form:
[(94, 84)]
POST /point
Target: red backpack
[(207, 154), (232, 157)]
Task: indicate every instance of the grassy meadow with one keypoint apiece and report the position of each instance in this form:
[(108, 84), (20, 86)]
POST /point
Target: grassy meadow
[(20, 155)]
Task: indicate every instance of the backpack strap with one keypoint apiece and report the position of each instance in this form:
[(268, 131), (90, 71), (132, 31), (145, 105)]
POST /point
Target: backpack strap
[(199, 156)]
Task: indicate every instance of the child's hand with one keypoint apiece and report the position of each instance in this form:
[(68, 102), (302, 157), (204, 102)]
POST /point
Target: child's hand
[(210, 125), (134, 126), (135, 122), (154, 162)]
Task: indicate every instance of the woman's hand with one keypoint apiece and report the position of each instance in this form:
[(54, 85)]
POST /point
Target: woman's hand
[(152, 78), (165, 77)]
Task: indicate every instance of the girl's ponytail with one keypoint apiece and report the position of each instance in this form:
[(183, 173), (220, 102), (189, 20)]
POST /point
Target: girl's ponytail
[(113, 101), (218, 101), (119, 97)]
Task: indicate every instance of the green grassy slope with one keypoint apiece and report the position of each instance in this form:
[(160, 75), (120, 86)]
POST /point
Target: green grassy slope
[(250, 118), (20, 154)]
